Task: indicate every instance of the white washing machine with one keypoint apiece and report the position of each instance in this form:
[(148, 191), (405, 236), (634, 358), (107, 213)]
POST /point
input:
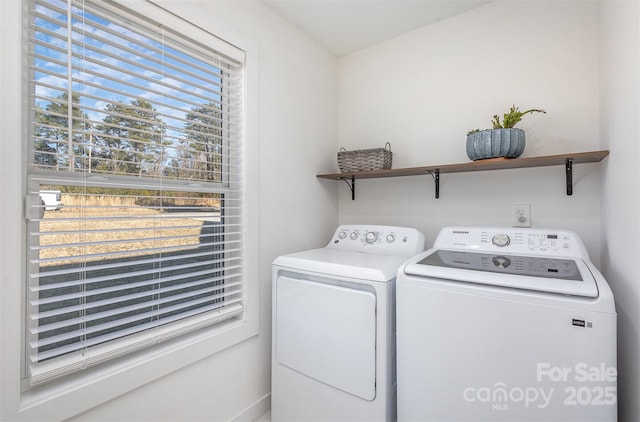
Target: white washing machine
[(333, 348), (505, 324)]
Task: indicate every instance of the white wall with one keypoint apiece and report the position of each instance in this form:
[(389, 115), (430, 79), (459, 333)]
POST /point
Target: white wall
[(424, 90), (297, 126), (620, 132)]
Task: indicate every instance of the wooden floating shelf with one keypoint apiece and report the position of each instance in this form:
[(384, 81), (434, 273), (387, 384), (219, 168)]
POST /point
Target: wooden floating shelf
[(566, 160)]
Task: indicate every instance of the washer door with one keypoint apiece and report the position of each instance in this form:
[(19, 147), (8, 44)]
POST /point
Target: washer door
[(328, 333)]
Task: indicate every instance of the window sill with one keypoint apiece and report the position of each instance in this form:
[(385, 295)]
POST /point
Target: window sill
[(94, 386)]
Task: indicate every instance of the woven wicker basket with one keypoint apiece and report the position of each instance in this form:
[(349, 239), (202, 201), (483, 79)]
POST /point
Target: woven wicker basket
[(365, 159)]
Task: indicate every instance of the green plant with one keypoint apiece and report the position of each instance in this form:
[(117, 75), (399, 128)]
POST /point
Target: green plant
[(509, 119)]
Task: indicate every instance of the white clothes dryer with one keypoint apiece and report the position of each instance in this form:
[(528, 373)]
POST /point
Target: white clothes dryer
[(333, 347), (505, 324)]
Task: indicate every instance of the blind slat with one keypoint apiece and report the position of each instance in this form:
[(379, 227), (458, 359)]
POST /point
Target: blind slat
[(126, 332), (230, 284), (81, 321), (115, 255), (84, 294)]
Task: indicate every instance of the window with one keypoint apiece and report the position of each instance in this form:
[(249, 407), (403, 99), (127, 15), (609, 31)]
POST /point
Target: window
[(136, 177)]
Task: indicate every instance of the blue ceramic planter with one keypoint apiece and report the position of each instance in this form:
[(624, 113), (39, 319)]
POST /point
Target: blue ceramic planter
[(495, 143)]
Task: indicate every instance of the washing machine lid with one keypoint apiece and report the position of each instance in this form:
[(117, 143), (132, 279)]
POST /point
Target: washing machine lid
[(545, 274), (343, 263)]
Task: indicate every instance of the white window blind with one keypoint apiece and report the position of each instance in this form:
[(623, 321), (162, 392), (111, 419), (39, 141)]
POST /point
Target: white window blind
[(139, 129)]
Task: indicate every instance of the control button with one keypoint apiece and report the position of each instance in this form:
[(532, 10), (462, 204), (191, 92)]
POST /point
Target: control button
[(501, 261), (354, 235), (390, 238), (342, 235), (371, 237), (501, 240)]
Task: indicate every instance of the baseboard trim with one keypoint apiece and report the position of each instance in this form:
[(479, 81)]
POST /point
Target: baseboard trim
[(253, 412)]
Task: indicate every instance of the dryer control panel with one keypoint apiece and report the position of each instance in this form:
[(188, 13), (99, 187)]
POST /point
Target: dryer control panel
[(375, 239), (524, 241)]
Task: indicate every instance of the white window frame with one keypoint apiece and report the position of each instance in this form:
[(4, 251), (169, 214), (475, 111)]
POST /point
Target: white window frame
[(89, 388)]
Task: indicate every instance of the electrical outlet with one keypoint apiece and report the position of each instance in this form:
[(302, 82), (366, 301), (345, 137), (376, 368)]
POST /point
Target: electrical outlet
[(521, 215)]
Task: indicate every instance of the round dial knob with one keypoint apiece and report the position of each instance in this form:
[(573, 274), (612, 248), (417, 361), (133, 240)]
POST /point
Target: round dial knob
[(342, 235), (371, 237), (390, 238), (501, 261), (501, 240), (354, 235)]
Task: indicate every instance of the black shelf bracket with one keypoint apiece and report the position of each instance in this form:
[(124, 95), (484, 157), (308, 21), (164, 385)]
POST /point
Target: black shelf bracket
[(352, 186), (436, 180), (568, 167)]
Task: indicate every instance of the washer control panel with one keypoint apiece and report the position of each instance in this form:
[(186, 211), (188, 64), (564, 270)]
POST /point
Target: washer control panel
[(382, 240), (541, 242)]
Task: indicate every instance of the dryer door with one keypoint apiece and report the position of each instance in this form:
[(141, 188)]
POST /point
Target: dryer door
[(328, 333)]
